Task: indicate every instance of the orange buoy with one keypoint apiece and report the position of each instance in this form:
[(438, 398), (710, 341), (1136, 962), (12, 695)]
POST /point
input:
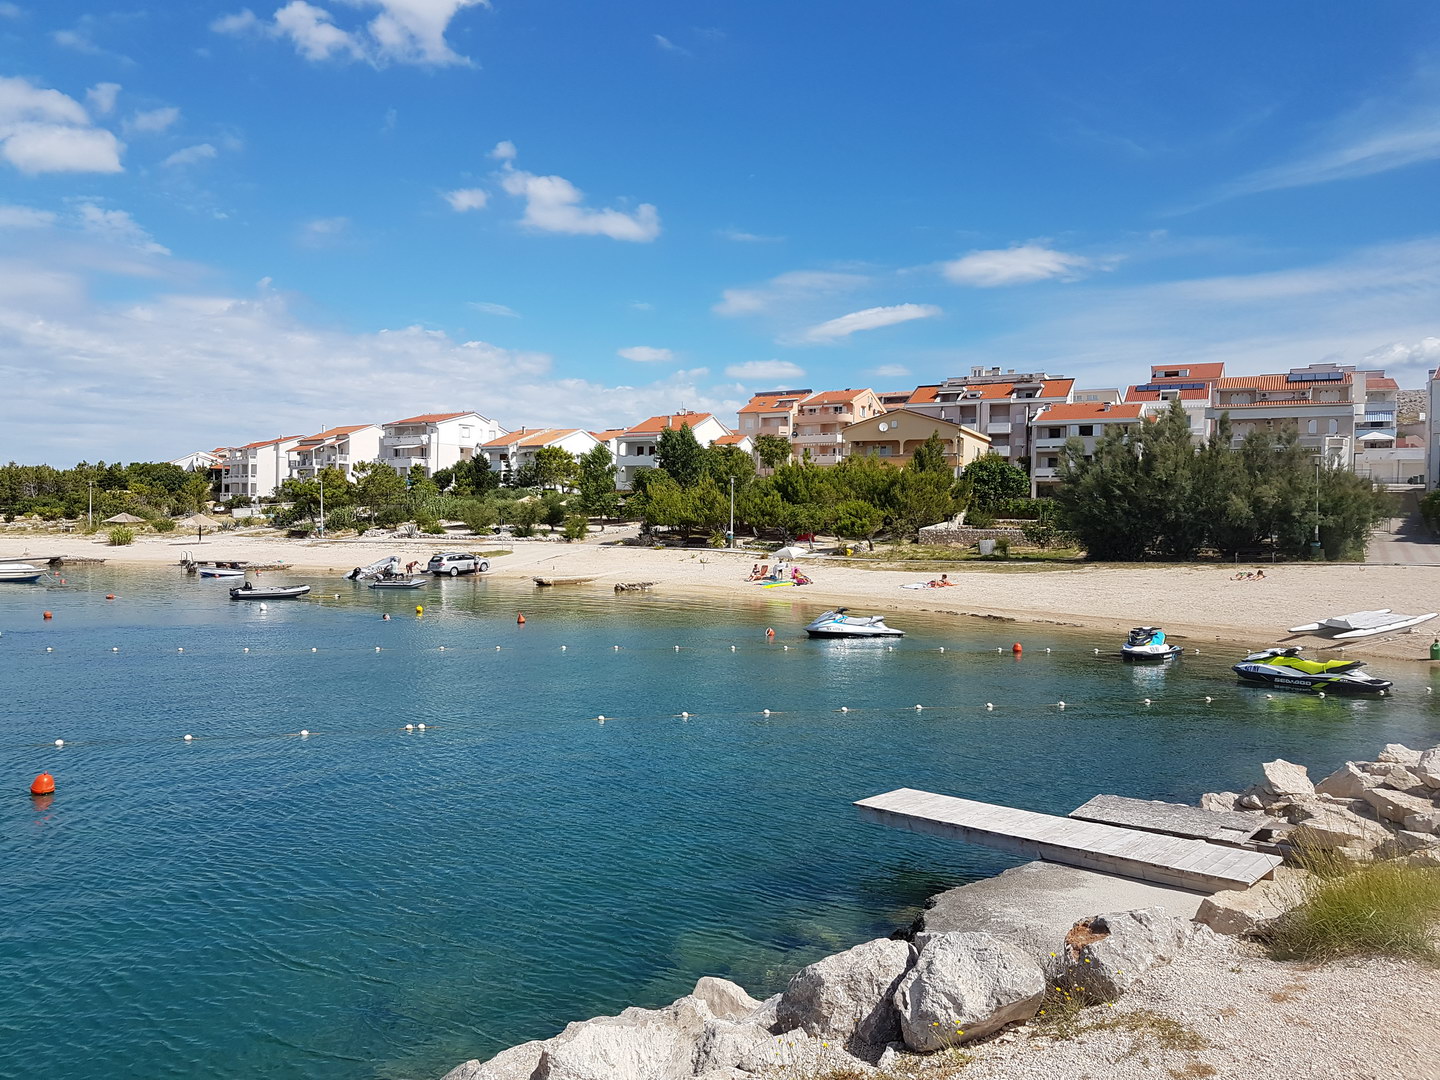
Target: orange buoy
[(44, 784), (770, 632), (1016, 649), (520, 619), (110, 596), (48, 615)]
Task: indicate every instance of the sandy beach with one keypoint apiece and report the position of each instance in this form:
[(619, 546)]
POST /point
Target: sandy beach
[(1194, 602)]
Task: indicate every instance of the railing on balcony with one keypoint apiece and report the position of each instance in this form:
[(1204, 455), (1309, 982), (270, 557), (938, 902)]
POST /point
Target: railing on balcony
[(405, 440), (998, 427)]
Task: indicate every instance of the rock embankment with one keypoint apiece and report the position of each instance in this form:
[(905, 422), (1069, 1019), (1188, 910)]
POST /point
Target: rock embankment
[(981, 960)]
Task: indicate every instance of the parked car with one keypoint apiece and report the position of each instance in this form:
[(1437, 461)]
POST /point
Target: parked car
[(455, 563)]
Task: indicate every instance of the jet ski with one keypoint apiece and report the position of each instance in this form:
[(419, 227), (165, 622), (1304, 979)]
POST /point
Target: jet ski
[(1287, 669), (1148, 643), (838, 623)]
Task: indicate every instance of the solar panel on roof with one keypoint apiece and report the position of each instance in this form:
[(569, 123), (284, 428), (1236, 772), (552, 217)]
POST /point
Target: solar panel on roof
[(1148, 387), (1315, 376)]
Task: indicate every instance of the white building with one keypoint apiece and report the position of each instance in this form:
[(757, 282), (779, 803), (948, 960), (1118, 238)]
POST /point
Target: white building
[(336, 448), (436, 441), (635, 446), (201, 461), (257, 469), (518, 449), (1055, 425), (996, 405), (1323, 401)]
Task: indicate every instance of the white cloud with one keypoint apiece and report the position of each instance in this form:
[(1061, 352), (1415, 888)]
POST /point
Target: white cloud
[(765, 370), (102, 97), (646, 354), (1017, 265), (324, 232), (741, 237), (75, 39), (890, 371), (786, 290), (669, 46), (494, 309), (118, 227), (641, 305), (869, 319), (10, 10), (191, 155), (401, 32), (24, 217), (553, 204), (153, 121), (47, 131), (504, 151), (463, 199), (1425, 353)]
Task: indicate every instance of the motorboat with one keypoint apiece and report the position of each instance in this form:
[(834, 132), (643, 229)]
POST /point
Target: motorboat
[(363, 573), (20, 572), (220, 572), (840, 623), (269, 592), (1148, 643), (400, 582), (1287, 669), (1359, 624)]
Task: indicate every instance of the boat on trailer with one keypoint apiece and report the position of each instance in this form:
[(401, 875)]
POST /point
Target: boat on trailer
[(1359, 624), (840, 623), (269, 592)]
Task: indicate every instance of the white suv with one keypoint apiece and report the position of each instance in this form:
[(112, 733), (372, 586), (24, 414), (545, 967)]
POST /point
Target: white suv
[(455, 563)]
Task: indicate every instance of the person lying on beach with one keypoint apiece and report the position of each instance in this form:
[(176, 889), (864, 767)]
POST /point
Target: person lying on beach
[(1259, 575), (798, 578), (943, 583)]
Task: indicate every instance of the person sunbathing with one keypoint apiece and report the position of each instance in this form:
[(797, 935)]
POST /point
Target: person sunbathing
[(760, 573), (943, 583), (798, 578)]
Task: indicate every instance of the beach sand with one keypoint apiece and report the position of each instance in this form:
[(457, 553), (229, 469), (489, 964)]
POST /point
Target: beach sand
[(1197, 604)]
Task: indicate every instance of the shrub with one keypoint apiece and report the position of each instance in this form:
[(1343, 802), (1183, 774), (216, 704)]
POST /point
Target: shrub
[(387, 517), (1379, 909), (340, 520), (1002, 548), (121, 535), (163, 525), (433, 529), (979, 519), (577, 527)]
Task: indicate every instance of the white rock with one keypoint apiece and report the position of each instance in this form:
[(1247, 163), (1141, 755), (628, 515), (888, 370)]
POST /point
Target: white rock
[(727, 1000), (965, 986), (846, 997), (1399, 778), (1284, 778), (1428, 767), (517, 1063), (768, 1014), (1223, 801), (1105, 954), (1347, 782), (639, 1044), (801, 1055), (1396, 806), (1326, 827), (1427, 821), (1397, 754), (1238, 912), (727, 1043)]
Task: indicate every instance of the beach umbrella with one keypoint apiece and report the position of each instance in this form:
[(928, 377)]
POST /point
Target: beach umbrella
[(790, 553), (124, 519), (199, 522)]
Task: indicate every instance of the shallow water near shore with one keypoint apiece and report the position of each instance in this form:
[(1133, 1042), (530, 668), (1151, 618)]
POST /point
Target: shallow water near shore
[(366, 902)]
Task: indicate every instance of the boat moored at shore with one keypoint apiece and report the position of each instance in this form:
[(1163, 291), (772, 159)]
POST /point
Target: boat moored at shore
[(839, 623), (1288, 670), (272, 592), (1148, 643), (20, 573)]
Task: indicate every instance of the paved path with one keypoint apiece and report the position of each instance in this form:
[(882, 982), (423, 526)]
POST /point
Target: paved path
[(1404, 540), (1164, 860)]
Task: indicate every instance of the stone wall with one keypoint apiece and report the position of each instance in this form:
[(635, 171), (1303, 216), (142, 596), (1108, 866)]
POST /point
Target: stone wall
[(964, 535)]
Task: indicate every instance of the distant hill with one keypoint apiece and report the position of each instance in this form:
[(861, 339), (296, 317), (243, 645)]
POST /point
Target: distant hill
[(1412, 403)]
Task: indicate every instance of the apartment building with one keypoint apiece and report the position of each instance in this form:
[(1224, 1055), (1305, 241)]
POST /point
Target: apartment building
[(518, 449), (1192, 385), (335, 448), (635, 446), (998, 405), (1323, 401), (896, 435), (257, 469), (435, 441), (1055, 425), (821, 419), (771, 413)]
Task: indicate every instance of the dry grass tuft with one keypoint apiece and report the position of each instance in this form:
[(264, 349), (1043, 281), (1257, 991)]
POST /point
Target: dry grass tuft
[(1375, 909)]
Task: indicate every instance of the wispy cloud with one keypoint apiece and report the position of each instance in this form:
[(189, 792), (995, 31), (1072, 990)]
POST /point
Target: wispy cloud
[(463, 199), (786, 290), (25, 217), (741, 237), (118, 227), (488, 308), (191, 155), (890, 371), (669, 46), (402, 32), (45, 131), (102, 96), (152, 121), (646, 354), (324, 232), (834, 330), (1018, 265), (759, 370), (554, 204)]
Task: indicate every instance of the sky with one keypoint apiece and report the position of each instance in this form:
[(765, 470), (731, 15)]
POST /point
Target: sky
[(221, 223)]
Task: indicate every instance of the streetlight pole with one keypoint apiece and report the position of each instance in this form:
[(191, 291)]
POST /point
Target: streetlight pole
[(320, 479), (731, 535), (1315, 543), (90, 504)]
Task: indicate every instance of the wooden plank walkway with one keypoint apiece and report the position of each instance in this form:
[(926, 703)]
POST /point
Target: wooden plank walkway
[(1174, 819), (1146, 856)]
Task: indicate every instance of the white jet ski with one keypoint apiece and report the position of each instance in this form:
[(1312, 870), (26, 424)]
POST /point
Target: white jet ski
[(839, 623), (1148, 643)]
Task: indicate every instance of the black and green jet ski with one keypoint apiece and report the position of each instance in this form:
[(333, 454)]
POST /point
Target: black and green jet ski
[(1287, 669)]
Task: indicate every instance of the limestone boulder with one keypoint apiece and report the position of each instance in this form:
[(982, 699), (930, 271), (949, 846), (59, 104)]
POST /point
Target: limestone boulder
[(1396, 806), (1397, 754), (726, 1043), (1399, 778), (1427, 821), (1105, 954), (966, 985), (727, 1000), (796, 1054), (1220, 801), (517, 1063), (1286, 779), (1320, 825), (846, 997), (1245, 912), (1347, 782), (1428, 768), (639, 1044), (767, 1015)]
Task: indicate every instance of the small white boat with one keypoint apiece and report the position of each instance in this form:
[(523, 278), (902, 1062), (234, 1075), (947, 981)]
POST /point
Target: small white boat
[(270, 592), (400, 583), (19, 572), (1148, 643), (839, 623), (1360, 624), (219, 572)]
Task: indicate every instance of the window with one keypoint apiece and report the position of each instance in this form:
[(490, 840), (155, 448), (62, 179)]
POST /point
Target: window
[(1175, 374), (464, 431), (1087, 429), (1054, 433), (1310, 428), (1334, 427), (1052, 462)]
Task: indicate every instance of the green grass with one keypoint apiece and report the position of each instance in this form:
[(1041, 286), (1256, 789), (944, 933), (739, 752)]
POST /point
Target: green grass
[(494, 554), (1376, 909)]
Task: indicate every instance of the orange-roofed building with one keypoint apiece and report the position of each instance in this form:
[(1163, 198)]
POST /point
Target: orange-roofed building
[(821, 419), (256, 469), (997, 404), (336, 448), (771, 413), (636, 445), (507, 453), (435, 441), (1054, 425)]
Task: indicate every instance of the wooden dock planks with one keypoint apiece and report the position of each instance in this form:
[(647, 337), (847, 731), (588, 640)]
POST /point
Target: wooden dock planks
[(1172, 818), (1181, 862)]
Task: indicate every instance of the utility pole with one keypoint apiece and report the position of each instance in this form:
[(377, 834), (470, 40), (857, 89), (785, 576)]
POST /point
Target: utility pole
[(730, 536), (90, 505), (1315, 543), (320, 479)]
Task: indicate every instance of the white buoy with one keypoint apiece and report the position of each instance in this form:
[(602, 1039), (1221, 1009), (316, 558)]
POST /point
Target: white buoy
[(49, 649), (786, 648), (337, 596), (304, 734), (732, 648), (889, 648), (942, 648), (1197, 652), (442, 648), (1097, 651), (420, 727), (247, 648), (1060, 703), (615, 647), (844, 708), (684, 716), (409, 727), (115, 649), (313, 649), (1002, 650), (919, 708), (180, 650), (767, 712), (677, 648), (189, 738), (59, 742), (377, 648), (1321, 693), (1208, 700), (497, 648), (563, 647), (1147, 701), (601, 718), (1047, 650), (1382, 693), (989, 705), (1269, 697), (264, 608)]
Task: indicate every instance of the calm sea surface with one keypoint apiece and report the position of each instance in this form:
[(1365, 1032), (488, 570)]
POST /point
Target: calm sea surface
[(372, 903)]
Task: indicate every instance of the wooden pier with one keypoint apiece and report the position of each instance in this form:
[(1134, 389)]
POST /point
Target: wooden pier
[(1147, 856)]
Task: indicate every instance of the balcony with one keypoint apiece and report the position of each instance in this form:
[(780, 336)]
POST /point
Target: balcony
[(998, 427), (1048, 444), (400, 441), (823, 438)]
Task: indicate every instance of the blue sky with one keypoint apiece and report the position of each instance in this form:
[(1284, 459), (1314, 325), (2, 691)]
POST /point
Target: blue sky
[(220, 223)]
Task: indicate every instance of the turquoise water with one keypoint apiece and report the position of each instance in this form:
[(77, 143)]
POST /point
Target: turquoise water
[(370, 903)]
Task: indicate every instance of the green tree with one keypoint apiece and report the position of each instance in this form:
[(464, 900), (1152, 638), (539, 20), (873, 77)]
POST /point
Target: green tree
[(773, 450), (377, 485), (929, 456), (993, 480), (555, 468), (526, 476), (598, 496), (864, 477), (678, 453), (858, 520), (576, 527), (726, 463), (920, 498), (525, 515)]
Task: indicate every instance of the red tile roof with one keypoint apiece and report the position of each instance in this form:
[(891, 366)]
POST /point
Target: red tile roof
[(1381, 384), (1053, 388), (427, 418), (608, 434), (768, 403), (1136, 394), (1277, 382), (674, 420), (922, 394), (267, 442), (1088, 410), (835, 397), (332, 433), (730, 440), (1203, 372)]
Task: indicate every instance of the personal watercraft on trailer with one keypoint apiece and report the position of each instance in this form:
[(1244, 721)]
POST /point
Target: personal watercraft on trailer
[(1148, 643), (1287, 669), (839, 623)]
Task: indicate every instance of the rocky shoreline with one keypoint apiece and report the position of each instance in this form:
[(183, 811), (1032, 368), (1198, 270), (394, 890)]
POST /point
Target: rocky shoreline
[(986, 957)]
